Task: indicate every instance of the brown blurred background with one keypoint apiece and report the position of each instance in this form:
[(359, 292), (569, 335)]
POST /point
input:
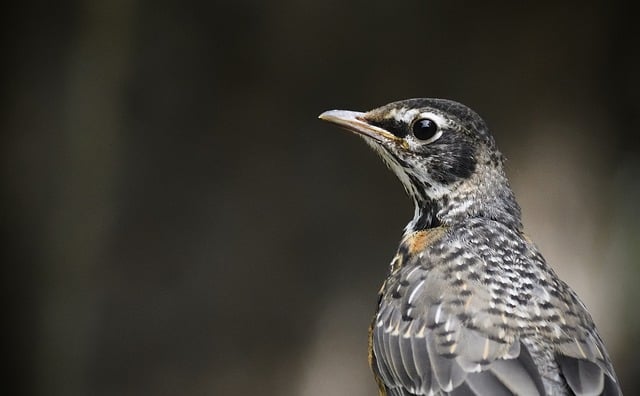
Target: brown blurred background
[(178, 222)]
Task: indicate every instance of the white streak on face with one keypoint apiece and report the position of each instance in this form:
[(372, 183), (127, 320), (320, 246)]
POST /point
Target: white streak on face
[(393, 165), (437, 190), (408, 116)]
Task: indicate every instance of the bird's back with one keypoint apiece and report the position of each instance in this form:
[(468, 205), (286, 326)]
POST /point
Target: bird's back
[(473, 308)]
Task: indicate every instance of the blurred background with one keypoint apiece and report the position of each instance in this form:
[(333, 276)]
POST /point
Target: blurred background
[(178, 222)]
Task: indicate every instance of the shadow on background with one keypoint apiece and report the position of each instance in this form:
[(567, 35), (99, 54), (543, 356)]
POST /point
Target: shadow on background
[(179, 222)]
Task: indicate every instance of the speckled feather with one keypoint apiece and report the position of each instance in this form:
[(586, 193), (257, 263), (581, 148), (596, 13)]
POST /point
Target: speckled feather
[(479, 304), (470, 306)]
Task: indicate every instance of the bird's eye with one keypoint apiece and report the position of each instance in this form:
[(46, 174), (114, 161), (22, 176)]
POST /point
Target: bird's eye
[(426, 130)]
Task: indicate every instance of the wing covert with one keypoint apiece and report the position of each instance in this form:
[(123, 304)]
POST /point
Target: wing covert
[(440, 346)]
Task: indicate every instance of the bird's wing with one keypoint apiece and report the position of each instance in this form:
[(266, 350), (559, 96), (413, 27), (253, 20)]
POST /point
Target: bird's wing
[(441, 345), (439, 329), (581, 355)]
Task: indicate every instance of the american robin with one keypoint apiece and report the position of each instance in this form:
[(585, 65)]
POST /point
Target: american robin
[(470, 306)]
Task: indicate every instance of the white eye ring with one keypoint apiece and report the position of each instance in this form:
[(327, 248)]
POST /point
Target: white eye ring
[(434, 137)]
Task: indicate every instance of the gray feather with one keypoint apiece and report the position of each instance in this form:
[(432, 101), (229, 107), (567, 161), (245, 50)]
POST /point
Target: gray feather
[(421, 359), (487, 384), (446, 370), (408, 362), (585, 378)]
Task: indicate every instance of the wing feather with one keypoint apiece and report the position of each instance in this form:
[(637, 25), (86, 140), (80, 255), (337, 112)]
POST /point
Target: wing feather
[(582, 358), (487, 384), (437, 352), (519, 375), (446, 370), (400, 368), (442, 328), (409, 363), (421, 361), (583, 377)]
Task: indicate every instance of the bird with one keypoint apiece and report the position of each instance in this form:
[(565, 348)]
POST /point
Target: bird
[(470, 306)]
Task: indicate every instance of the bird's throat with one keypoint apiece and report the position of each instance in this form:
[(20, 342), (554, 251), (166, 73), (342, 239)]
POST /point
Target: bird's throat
[(425, 216)]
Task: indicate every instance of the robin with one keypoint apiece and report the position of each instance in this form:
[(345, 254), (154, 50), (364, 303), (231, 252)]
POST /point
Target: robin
[(470, 306)]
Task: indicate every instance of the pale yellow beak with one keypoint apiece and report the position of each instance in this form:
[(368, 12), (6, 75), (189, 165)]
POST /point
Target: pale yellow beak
[(355, 122)]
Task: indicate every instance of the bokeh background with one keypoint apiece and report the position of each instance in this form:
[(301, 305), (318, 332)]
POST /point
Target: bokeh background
[(178, 222)]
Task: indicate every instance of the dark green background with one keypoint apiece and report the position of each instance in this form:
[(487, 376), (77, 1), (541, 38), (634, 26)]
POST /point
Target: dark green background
[(178, 222)]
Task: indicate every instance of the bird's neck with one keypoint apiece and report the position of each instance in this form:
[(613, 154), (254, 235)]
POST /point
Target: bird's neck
[(487, 197)]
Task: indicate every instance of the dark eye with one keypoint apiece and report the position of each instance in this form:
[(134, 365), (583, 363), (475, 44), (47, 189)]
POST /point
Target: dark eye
[(425, 129)]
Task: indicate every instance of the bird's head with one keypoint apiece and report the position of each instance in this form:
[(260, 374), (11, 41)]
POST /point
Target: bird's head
[(443, 154)]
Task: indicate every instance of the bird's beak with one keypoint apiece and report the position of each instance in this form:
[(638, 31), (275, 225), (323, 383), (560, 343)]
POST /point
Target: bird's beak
[(356, 122)]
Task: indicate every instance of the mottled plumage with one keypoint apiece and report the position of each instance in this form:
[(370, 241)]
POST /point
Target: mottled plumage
[(470, 306)]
